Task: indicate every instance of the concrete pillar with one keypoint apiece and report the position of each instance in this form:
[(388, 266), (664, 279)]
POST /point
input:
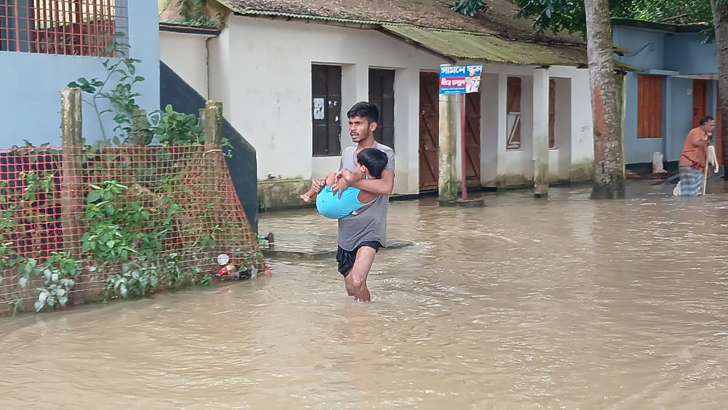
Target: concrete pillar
[(490, 119), (502, 125), (141, 133), (212, 123), (448, 181), (541, 132), (406, 125)]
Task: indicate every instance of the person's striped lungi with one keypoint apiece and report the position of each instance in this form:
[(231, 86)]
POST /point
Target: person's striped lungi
[(691, 181)]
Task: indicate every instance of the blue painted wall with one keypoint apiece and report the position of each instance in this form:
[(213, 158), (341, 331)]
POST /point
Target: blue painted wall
[(679, 118), (689, 54), (683, 53), (31, 84), (636, 148), (645, 49)]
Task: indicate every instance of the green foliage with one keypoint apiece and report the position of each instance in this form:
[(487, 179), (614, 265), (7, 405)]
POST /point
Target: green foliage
[(470, 7), (563, 15), (136, 280), (21, 207), (194, 13), (126, 225), (168, 126), (177, 274), (121, 71), (59, 274), (35, 184), (567, 15), (118, 228), (174, 128), (145, 275)]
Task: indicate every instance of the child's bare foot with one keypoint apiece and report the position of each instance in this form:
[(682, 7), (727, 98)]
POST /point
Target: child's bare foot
[(305, 198)]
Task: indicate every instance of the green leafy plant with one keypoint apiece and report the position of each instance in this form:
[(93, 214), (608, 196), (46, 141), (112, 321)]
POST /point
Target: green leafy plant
[(37, 184), (136, 279), (168, 126), (107, 238), (59, 274), (120, 228), (194, 12), (469, 7), (174, 128), (178, 274), (121, 98)]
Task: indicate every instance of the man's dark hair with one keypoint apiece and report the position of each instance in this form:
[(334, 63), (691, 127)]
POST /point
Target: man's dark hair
[(365, 110), (705, 120), (374, 159)]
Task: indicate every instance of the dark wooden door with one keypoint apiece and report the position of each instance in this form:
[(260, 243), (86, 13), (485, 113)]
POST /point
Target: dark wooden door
[(700, 100), (552, 113), (429, 130), (513, 113), (381, 94), (326, 109), (472, 139)]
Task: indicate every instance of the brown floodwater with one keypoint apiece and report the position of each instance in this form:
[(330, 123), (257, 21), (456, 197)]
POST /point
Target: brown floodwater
[(564, 303)]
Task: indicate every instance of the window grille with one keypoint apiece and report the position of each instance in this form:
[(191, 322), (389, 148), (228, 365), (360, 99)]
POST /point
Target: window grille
[(66, 27)]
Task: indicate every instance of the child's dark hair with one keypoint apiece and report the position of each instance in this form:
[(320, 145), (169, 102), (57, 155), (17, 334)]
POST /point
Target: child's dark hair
[(365, 110), (374, 159)]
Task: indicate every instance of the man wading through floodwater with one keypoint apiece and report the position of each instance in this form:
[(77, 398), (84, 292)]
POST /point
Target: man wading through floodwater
[(362, 234)]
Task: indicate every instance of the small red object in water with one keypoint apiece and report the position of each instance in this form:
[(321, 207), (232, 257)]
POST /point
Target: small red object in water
[(225, 270)]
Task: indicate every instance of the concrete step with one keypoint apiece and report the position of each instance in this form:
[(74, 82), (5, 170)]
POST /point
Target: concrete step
[(312, 246)]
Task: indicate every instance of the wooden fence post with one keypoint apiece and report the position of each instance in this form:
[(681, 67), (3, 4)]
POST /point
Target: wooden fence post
[(72, 163)]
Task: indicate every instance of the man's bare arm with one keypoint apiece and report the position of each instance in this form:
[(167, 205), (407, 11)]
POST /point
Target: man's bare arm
[(702, 143), (383, 186)]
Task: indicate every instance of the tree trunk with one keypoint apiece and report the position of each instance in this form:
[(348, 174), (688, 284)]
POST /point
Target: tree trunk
[(608, 158), (720, 21)]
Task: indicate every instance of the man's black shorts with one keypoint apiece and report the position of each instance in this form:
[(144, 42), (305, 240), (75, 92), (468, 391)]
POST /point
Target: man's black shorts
[(346, 258)]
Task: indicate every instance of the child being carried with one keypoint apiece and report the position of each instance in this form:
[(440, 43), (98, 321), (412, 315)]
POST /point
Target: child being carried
[(370, 164)]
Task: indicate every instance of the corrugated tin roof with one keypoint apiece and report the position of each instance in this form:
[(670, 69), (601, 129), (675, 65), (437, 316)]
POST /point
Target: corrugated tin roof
[(676, 28), (272, 13), (499, 20), (460, 45), (443, 38)]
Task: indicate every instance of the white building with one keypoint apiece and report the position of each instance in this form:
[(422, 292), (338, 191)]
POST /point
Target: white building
[(287, 74)]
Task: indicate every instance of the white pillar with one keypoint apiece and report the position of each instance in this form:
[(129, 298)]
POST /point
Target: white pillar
[(406, 131), (492, 118), (502, 113), (541, 131), (354, 88)]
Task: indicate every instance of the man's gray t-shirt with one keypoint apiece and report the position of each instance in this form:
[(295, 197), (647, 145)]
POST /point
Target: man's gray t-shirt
[(371, 223)]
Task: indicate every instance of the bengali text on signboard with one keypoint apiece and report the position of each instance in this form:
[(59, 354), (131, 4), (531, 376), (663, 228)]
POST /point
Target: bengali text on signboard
[(460, 79)]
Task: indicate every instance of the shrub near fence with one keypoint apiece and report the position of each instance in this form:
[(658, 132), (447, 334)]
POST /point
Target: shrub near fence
[(135, 220), (80, 223)]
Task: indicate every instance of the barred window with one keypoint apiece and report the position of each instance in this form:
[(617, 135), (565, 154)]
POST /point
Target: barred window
[(67, 27), (326, 88)]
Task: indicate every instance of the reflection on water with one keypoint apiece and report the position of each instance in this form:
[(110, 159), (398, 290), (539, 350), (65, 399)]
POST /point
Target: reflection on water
[(524, 304)]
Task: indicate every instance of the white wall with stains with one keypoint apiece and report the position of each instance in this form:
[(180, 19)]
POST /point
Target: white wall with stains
[(266, 88), (186, 54), (261, 70), (574, 141)]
